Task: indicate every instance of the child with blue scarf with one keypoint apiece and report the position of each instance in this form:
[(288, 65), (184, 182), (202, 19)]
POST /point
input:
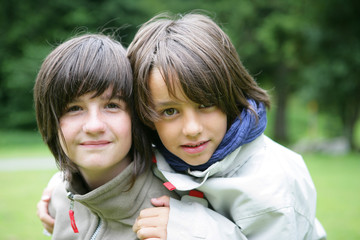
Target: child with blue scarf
[(208, 117)]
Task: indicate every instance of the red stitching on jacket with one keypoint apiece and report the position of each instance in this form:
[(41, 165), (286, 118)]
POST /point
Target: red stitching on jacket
[(196, 193), (169, 186)]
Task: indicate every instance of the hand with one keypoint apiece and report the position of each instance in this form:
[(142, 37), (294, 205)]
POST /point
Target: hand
[(152, 222), (163, 201), (42, 210)]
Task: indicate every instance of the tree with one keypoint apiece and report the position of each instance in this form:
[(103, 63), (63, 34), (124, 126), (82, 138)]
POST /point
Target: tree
[(30, 30), (333, 56), (269, 38)]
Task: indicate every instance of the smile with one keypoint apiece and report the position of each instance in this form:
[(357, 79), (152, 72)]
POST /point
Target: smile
[(195, 148), (95, 143)]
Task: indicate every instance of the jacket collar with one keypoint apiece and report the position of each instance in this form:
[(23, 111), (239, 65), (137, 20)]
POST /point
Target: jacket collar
[(115, 199), (223, 168)]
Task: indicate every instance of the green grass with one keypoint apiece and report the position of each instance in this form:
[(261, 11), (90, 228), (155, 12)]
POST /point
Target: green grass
[(337, 180), (20, 192)]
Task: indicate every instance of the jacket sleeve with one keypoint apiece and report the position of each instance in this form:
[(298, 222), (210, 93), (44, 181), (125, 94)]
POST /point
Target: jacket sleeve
[(285, 223), (57, 185), (57, 178), (192, 220)]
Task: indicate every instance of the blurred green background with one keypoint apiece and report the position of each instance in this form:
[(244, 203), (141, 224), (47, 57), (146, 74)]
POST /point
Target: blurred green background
[(305, 53)]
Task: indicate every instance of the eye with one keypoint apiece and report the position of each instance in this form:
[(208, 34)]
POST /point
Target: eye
[(116, 104), (169, 112), (74, 108), (112, 105), (206, 105)]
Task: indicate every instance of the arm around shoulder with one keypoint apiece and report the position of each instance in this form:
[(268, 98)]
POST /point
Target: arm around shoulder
[(43, 205)]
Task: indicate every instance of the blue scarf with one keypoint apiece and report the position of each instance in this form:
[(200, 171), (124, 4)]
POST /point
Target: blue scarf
[(243, 130)]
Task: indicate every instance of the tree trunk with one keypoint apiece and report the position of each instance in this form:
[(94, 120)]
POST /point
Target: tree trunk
[(282, 91), (280, 129), (349, 116)]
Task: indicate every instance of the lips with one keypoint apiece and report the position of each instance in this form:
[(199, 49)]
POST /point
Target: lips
[(194, 148), (98, 143)]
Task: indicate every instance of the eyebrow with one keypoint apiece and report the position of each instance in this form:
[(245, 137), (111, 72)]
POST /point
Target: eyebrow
[(109, 96), (164, 104), (102, 97)]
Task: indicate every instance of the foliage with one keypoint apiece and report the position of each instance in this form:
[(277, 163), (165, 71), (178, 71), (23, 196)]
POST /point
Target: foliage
[(32, 29), (289, 46), (333, 59), (19, 144)]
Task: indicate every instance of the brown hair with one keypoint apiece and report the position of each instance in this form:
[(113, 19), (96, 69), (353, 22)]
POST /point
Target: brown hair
[(193, 51), (83, 64)]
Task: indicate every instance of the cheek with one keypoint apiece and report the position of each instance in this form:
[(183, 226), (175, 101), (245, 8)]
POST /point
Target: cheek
[(224, 124), (67, 133), (123, 129), (218, 123), (165, 133), (66, 129), (164, 130)]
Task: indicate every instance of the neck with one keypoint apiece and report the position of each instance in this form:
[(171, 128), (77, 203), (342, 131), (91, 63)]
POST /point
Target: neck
[(97, 178)]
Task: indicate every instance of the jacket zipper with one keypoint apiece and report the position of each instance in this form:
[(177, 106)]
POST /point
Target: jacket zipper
[(72, 218), (97, 230), (71, 212)]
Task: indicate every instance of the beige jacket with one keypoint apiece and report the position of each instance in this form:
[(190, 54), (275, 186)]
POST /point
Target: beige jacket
[(262, 187), (107, 212)]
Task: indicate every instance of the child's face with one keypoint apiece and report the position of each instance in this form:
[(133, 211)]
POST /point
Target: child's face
[(189, 130), (97, 134)]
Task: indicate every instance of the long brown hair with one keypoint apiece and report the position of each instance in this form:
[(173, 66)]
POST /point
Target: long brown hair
[(84, 64), (193, 51)]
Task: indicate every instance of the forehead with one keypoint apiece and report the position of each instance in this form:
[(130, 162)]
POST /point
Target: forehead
[(106, 95), (160, 91)]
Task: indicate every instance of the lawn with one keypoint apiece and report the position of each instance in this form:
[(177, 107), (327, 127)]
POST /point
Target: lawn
[(20, 191), (337, 179)]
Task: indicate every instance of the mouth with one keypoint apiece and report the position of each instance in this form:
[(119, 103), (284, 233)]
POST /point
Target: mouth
[(99, 143), (194, 148)]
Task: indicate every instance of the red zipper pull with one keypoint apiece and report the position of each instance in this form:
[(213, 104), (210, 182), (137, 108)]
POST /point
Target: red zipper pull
[(72, 220), (71, 213)]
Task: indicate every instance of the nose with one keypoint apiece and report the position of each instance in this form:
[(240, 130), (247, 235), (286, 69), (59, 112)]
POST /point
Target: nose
[(192, 123), (94, 122)]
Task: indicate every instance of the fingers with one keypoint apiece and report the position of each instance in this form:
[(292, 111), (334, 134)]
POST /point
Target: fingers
[(46, 220), (42, 211), (152, 217), (144, 233), (152, 223), (143, 223), (163, 201)]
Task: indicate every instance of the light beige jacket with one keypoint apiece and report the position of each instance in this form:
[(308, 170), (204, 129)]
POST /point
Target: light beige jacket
[(107, 212), (262, 187)]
